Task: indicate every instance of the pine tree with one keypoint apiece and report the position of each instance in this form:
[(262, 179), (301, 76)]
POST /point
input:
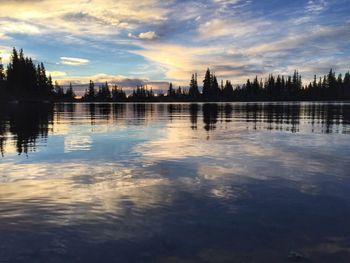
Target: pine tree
[(70, 95), (12, 74), (346, 86), (228, 91), (25, 80), (91, 91), (332, 85), (2, 71), (171, 91), (118, 94), (58, 90), (207, 84), (215, 90), (2, 85), (49, 85), (193, 90), (339, 89), (104, 93), (179, 92)]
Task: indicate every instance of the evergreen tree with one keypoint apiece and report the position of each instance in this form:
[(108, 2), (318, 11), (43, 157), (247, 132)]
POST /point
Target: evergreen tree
[(104, 94), (339, 85), (118, 94), (142, 93), (13, 74), (215, 90), (58, 90), (25, 80), (2, 71), (228, 91), (193, 90), (2, 84), (90, 96), (346, 86), (332, 85), (70, 95), (179, 92), (171, 91), (207, 84), (49, 85)]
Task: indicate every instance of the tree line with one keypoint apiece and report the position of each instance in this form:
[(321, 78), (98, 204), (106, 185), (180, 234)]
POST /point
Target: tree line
[(104, 93), (280, 88), (24, 80)]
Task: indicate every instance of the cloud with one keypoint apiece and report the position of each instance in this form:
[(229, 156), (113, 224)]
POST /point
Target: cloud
[(148, 35), (13, 26), (236, 38), (226, 2), (5, 54), (311, 37), (56, 74), (73, 61), (316, 6), (100, 17), (216, 28), (131, 35), (178, 60), (77, 143)]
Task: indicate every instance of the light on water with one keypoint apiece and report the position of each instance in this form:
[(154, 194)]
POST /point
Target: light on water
[(237, 182)]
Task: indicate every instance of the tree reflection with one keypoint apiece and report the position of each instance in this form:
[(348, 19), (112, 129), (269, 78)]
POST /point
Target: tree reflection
[(194, 116), (119, 111), (210, 116), (22, 124), (26, 123)]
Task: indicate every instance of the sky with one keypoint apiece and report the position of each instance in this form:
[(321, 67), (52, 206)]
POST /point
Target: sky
[(154, 42)]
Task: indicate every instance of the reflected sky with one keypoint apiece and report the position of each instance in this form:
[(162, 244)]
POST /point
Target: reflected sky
[(245, 182)]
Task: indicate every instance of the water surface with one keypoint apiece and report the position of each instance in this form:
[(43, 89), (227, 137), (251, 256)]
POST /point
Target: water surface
[(241, 182)]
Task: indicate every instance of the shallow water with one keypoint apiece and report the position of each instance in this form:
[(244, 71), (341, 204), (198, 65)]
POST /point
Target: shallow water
[(240, 182)]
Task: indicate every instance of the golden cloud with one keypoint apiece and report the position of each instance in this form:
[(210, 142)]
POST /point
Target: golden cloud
[(56, 74), (73, 61)]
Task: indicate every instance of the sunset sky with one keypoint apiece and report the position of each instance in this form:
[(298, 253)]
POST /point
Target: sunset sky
[(155, 41)]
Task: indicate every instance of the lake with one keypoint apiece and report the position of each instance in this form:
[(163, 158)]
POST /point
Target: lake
[(226, 182)]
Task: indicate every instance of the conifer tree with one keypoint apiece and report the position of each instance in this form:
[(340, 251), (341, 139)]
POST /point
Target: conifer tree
[(346, 86), (70, 95), (118, 94), (193, 90), (91, 91), (58, 90), (228, 91), (171, 91), (215, 90), (207, 84), (2, 71)]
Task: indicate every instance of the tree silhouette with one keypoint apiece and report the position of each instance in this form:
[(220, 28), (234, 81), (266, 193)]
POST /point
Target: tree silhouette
[(171, 91), (118, 95), (193, 91), (207, 84), (2, 70), (25, 81), (227, 91), (70, 95)]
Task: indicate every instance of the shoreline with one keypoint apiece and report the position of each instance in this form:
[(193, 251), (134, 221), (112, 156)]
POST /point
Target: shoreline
[(16, 102)]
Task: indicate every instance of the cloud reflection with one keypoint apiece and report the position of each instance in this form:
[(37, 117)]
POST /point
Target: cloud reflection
[(170, 179)]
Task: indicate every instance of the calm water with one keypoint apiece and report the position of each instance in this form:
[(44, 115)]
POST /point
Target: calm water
[(258, 182)]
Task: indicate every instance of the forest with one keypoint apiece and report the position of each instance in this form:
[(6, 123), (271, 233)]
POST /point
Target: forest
[(23, 80)]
